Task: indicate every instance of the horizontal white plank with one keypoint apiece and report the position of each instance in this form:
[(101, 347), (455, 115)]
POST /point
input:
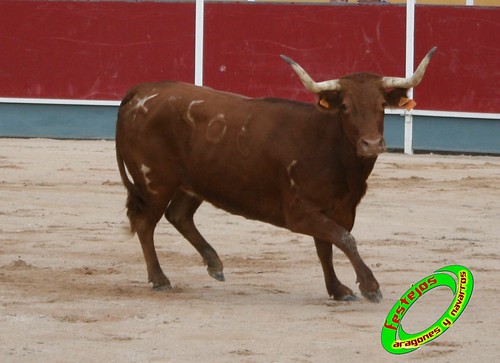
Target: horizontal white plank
[(70, 102), (56, 101)]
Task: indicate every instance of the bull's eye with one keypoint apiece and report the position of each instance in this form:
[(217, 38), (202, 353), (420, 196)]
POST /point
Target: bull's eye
[(344, 107)]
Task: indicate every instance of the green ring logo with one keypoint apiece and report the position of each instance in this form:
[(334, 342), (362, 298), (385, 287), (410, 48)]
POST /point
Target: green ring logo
[(461, 287)]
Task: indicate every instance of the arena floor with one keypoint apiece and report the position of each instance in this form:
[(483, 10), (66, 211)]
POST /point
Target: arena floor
[(73, 284)]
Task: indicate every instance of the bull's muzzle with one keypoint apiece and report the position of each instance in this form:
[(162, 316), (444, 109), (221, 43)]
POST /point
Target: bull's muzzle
[(371, 147)]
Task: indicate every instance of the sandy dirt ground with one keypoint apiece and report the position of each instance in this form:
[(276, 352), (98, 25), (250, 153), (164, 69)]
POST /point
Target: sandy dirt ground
[(73, 284)]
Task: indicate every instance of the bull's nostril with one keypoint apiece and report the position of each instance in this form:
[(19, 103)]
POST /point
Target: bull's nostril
[(371, 147), (370, 143)]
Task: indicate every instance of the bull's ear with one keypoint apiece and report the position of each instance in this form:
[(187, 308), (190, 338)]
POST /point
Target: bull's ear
[(328, 100), (323, 103), (397, 98), (407, 103)]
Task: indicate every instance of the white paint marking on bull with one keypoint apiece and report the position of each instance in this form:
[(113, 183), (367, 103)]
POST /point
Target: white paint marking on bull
[(141, 104), (216, 129), (174, 98), (129, 176), (289, 171), (190, 117), (145, 170), (191, 193)]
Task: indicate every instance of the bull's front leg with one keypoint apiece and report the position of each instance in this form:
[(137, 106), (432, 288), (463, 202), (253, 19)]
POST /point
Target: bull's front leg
[(368, 285), (302, 217), (335, 288)]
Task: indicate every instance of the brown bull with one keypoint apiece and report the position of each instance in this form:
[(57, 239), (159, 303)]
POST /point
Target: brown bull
[(299, 166)]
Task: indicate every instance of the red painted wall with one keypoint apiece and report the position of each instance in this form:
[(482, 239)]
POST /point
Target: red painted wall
[(465, 74), (97, 50), (92, 50), (243, 43)]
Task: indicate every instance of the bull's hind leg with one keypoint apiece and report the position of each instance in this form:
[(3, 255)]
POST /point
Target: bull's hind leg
[(145, 228), (180, 213), (334, 287), (144, 214)]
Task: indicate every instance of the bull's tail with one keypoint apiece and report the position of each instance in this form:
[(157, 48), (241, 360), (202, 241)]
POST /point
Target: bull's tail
[(135, 202)]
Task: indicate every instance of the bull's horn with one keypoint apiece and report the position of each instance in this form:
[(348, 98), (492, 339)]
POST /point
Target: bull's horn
[(394, 82), (308, 82)]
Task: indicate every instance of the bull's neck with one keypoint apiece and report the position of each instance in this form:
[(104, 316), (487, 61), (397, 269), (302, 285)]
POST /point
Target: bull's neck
[(359, 167), (356, 168)]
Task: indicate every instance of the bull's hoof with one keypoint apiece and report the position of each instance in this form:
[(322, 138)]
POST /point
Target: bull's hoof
[(350, 297), (218, 275), (165, 287), (373, 296), (161, 283)]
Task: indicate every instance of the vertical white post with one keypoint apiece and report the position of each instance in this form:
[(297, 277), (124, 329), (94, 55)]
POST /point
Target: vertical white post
[(198, 47), (410, 47)]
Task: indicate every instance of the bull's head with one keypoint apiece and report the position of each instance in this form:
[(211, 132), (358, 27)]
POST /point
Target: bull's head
[(359, 101)]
